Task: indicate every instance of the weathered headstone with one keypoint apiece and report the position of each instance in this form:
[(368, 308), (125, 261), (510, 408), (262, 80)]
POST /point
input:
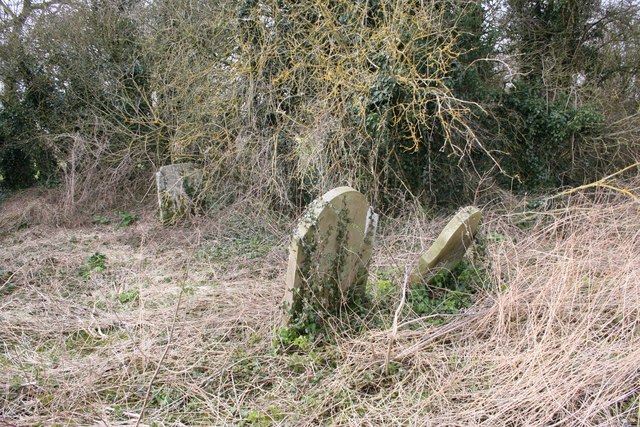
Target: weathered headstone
[(178, 186), (329, 255), (450, 246)]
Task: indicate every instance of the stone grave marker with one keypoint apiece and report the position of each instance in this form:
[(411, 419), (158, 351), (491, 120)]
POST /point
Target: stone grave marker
[(178, 186), (450, 246), (329, 255)]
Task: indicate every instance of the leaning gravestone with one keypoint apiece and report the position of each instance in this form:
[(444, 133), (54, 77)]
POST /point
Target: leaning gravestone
[(178, 185), (329, 256), (449, 247)]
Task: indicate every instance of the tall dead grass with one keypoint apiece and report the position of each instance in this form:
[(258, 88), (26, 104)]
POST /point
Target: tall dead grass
[(557, 340), (94, 180), (554, 340)]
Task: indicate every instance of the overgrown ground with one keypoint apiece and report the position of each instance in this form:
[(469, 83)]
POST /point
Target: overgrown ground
[(102, 322)]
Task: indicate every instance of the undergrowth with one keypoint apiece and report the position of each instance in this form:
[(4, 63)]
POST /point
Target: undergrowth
[(539, 326)]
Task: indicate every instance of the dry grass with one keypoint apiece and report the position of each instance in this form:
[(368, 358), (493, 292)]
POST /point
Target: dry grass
[(554, 340), (28, 207), (557, 339)]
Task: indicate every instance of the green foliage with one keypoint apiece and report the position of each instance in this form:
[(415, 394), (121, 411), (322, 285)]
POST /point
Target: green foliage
[(383, 288), (165, 396), (16, 168), (495, 236), (631, 408), (96, 263), (556, 127), (81, 341), (245, 246), (424, 151), (401, 99), (370, 116), (127, 219), (27, 99), (290, 339), (73, 81), (99, 219), (131, 295), (542, 137), (379, 378), (256, 418), (448, 292)]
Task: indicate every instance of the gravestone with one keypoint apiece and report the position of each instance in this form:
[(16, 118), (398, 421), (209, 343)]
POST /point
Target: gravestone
[(329, 255), (450, 246), (178, 186)]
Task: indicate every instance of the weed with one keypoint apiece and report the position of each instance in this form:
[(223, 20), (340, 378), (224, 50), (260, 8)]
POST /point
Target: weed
[(165, 396), (126, 218), (249, 247), (376, 378), (98, 219), (302, 342), (448, 292), (96, 263), (383, 287), (256, 418), (129, 296), (288, 338), (248, 367), (119, 413), (631, 408), (495, 236), (101, 305), (189, 288), (254, 339)]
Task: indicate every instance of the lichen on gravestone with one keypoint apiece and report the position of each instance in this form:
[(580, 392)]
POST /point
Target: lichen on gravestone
[(178, 187), (328, 257), (449, 247)]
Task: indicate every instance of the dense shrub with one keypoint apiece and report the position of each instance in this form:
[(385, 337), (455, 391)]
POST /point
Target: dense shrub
[(284, 99), (540, 137)]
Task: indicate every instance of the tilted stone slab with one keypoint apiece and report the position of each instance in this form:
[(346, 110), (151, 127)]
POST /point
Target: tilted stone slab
[(178, 186), (450, 246), (329, 254)]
